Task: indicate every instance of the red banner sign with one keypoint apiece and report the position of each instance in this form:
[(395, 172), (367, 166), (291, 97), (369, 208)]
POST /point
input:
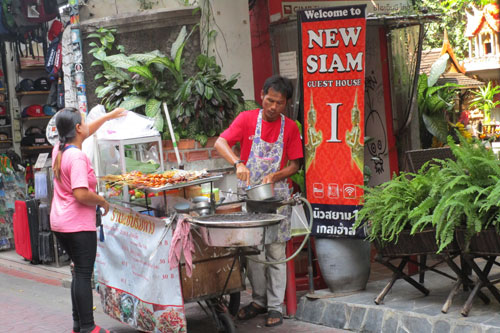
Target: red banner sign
[(332, 44)]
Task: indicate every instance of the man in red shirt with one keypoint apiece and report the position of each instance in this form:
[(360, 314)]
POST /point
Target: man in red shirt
[(271, 150)]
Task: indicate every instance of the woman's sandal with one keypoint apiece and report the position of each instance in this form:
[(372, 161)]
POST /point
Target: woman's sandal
[(273, 314), (250, 311)]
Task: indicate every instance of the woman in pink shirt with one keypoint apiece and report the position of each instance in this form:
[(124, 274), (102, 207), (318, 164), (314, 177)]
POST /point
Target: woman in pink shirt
[(73, 210)]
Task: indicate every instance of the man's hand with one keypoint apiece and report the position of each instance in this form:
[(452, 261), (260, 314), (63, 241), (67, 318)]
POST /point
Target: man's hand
[(268, 179), (242, 173)]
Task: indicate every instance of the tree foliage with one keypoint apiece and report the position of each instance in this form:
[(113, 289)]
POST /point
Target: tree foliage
[(453, 19)]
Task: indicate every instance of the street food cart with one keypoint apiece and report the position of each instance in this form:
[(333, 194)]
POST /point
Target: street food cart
[(137, 283)]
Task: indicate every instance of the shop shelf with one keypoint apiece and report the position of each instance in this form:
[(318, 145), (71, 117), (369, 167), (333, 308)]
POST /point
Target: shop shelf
[(36, 148), (36, 118), (32, 93)]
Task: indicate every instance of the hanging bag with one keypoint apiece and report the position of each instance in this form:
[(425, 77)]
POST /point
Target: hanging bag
[(39, 11)]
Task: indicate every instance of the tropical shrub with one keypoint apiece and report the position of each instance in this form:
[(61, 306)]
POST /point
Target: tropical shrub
[(206, 102), (436, 102), (484, 99), (199, 106)]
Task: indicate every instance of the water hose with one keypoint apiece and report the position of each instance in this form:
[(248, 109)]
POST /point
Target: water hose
[(306, 238)]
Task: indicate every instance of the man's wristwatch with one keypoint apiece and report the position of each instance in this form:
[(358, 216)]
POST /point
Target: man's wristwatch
[(237, 162)]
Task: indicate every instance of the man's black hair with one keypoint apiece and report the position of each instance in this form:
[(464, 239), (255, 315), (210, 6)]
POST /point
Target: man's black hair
[(279, 84)]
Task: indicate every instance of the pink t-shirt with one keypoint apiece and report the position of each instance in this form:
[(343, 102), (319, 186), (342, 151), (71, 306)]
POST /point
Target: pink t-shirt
[(67, 214)]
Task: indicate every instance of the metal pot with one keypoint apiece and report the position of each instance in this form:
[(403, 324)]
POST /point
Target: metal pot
[(234, 230), (260, 192), (202, 207)]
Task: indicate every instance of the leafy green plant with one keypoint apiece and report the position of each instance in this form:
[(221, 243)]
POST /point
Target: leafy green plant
[(200, 105), (140, 82), (446, 195), (206, 102), (388, 206), (436, 103), (484, 99)]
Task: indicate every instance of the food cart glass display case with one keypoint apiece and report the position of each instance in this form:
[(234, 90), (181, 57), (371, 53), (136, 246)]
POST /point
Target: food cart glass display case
[(114, 157)]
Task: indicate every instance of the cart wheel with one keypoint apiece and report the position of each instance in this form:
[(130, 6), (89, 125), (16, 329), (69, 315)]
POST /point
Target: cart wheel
[(226, 323), (234, 303)]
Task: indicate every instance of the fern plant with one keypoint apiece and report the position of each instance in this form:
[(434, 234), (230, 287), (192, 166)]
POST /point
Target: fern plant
[(446, 195), (389, 206)]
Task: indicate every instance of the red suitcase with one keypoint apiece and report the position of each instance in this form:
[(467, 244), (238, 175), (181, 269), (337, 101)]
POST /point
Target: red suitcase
[(22, 231)]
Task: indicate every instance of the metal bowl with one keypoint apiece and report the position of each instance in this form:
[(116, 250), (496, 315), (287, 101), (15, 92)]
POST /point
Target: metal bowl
[(260, 192)]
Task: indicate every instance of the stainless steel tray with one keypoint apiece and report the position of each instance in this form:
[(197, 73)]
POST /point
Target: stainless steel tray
[(184, 184), (237, 220)]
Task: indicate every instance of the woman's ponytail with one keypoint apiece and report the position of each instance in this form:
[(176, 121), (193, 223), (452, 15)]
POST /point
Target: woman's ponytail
[(66, 121)]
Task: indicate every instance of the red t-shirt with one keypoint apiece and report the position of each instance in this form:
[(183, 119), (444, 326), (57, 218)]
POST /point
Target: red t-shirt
[(243, 127)]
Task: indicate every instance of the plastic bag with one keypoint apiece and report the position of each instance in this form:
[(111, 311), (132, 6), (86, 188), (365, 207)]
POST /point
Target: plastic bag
[(131, 126), (299, 222)]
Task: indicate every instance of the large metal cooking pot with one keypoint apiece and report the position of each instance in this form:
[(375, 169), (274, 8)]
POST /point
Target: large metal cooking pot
[(234, 230), (260, 192)]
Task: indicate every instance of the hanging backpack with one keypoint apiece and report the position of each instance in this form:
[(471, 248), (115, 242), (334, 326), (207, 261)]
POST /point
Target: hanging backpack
[(53, 59), (39, 11)]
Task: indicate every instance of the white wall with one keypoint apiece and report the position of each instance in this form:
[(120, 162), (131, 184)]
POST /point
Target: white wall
[(232, 48)]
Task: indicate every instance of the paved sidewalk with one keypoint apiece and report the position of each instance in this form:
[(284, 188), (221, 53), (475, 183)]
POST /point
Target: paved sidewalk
[(33, 299)]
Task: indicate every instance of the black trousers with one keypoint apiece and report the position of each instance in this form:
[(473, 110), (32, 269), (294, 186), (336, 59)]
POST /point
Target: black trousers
[(81, 248)]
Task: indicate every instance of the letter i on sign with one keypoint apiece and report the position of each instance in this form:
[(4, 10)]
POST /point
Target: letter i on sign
[(334, 107)]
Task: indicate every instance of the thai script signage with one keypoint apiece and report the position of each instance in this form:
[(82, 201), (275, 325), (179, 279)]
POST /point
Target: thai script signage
[(332, 53)]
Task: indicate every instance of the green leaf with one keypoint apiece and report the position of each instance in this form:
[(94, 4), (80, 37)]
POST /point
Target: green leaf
[(110, 38), (209, 91), (121, 61), (96, 63), (181, 37), (437, 69), (145, 57), (142, 71), (153, 108), (93, 44), (93, 35), (100, 55), (114, 72), (159, 122), (133, 102), (98, 76), (105, 90)]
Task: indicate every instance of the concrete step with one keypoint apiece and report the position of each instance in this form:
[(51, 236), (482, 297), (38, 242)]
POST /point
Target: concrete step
[(405, 309)]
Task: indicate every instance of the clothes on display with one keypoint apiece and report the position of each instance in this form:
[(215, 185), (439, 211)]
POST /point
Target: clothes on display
[(12, 187)]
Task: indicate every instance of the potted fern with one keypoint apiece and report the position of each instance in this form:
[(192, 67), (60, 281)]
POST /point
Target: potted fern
[(450, 196), (394, 208)]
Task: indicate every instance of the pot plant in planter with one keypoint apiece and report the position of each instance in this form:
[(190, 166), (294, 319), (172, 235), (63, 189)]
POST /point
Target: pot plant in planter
[(445, 196), (390, 209), (200, 105), (140, 82), (205, 103)]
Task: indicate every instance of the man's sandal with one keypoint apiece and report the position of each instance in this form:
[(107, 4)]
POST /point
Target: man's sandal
[(250, 311), (273, 314)]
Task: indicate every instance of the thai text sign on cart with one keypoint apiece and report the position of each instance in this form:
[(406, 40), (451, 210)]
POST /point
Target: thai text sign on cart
[(136, 284), (332, 53)]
